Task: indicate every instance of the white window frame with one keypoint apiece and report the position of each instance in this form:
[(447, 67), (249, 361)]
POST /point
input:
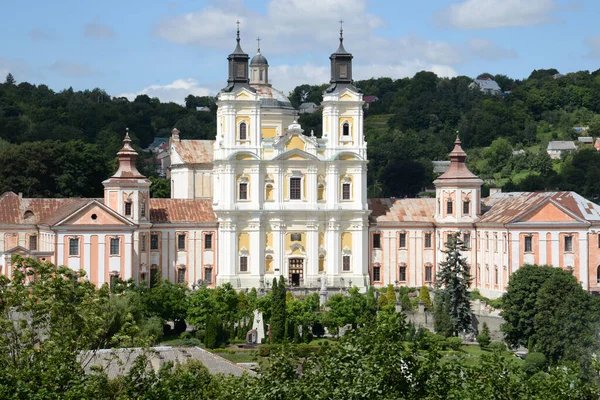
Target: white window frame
[(243, 181), (110, 246), (75, 239), (296, 175), (348, 137)]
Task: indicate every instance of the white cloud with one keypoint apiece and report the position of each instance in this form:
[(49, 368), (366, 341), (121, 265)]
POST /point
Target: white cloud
[(488, 50), (73, 69), (287, 77), (175, 92), (593, 42), (402, 70), (487, 14), (98, 31)]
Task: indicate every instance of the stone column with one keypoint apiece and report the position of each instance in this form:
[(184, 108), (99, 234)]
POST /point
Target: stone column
[(333, 244), (333, 184), (312, 252), (311, 185)]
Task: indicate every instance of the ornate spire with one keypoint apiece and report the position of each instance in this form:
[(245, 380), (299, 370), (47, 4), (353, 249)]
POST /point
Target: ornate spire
[(258, 45), (127, 156), (238, 65), (458, 170), (341, 66)]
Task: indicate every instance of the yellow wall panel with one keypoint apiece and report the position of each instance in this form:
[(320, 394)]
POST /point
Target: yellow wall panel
[(347, 240), (269, 133)]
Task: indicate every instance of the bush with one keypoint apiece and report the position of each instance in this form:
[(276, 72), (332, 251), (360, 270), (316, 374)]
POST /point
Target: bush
[(439, 341), (185, 335), (483, 339), (264, 350), (152, 327), (497, 346), (454, 343), (405, 303), (534, 363), (425, 297), (199, 334)]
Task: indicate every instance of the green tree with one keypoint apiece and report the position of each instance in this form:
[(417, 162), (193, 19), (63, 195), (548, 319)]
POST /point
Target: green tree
[(425, 297), (278, 311), (10, 79), (519, 303), (454, 279), (212, 336)]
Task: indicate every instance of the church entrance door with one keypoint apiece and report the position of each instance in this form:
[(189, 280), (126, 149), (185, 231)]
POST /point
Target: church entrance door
[(296, 271)]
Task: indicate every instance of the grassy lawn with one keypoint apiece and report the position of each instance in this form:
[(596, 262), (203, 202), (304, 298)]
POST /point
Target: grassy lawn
[(474, 352), (242, 356)]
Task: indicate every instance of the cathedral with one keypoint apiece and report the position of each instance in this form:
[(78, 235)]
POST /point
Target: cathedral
[(266, 199)]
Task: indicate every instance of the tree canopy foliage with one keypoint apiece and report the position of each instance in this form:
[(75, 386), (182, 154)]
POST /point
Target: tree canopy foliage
[(413, 122)]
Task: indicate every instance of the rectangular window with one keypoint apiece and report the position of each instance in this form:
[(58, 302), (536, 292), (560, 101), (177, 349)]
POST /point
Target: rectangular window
[(467, 240), (495, 242), (181, 275), (244, 264), (528, 244), (402, 241), (143, 242), (346, 263), (181, 241), (208, 241), (296, 237), (128, 209), (33, 242), (143, 209), (449, 207), (466, 207), (377, 240), (376, 273), (243, 191), (74, 246), (496, 276), (114, 246), (568, 243), (208, 275), (346, 191), (295, 188), (154, 242), (428, 273), (505, 241), (428, 240), (487, 242), (402, 273)]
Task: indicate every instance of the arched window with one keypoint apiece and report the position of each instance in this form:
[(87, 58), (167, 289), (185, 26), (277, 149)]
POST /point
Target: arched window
[(243, 131), (346, 129)]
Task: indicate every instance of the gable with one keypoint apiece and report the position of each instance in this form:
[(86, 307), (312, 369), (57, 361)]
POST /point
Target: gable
[(243, 95), (294, 143), (348, 96), (93, 215), (549, 212)]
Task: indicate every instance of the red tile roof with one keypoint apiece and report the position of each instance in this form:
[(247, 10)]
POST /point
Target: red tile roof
[(503, 208), (195, 151), (181, 211), (402, 210)]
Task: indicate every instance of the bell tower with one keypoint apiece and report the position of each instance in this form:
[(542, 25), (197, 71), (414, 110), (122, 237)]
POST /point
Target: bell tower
[(128, 191), (458, 190)]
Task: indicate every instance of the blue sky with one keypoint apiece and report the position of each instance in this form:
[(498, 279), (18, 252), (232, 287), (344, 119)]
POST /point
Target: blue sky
[(171, 48)]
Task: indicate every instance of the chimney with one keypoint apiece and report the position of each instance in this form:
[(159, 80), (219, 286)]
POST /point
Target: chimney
[(494, 191), (175, 134)]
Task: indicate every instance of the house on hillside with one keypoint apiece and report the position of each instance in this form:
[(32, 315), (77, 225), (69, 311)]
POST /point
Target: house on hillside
[(556, 148), (307, 108), (155, 146), (486, 85), (369, 99), (588, 140)]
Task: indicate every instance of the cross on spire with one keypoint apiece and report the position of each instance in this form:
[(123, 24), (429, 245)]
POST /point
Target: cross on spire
[(258, 41), (341, 29), (238, 29)]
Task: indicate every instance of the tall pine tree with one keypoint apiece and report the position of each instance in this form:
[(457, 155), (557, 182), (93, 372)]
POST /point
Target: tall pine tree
[(278, 312), (453, 281)]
